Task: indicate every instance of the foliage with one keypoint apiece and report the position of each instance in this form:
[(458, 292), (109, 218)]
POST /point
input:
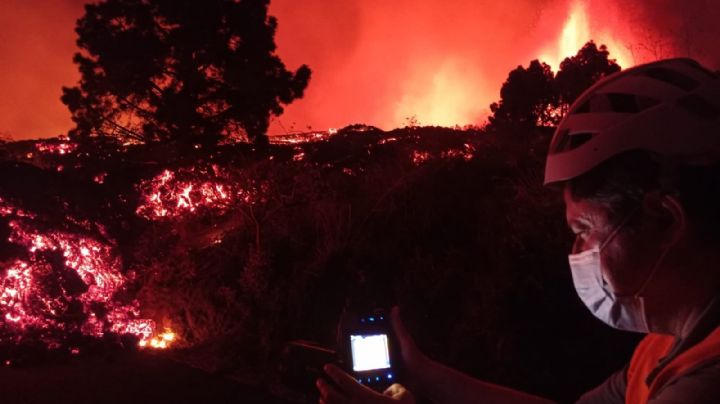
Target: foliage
[(526, 97), (579, 72), (535, 96), (179, 70)]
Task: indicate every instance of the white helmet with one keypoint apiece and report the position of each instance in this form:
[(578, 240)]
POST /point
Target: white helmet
[(670, 107)]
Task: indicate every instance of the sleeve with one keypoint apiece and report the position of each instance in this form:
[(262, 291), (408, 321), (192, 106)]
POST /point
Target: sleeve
[(699, 387), (611, 391)]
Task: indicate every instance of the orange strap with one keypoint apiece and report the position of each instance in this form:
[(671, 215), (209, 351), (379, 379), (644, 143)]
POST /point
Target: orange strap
[(652, 349)]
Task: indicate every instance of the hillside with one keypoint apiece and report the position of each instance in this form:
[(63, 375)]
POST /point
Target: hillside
[(237, 250)]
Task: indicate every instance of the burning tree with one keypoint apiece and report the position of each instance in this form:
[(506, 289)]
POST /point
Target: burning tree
[(168, 70)]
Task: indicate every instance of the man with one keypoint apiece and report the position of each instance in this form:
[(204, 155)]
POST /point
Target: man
[(638, 159)]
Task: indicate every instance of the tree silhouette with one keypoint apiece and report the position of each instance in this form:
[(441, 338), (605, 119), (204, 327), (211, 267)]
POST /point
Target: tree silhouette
[(537, 97), (184, 70), (527, 97), (579, 72)]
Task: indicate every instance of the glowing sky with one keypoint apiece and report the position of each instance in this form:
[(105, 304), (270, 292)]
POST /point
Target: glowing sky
[(375, 61)]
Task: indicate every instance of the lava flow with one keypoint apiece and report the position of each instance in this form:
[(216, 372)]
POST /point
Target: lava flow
[(172, 194), (63, 282)]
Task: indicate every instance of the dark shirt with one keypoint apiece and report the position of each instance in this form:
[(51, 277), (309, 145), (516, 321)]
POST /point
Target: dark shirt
[(700, 386)]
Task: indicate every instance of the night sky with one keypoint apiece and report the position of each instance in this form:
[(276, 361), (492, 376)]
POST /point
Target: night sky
[(376, 61)]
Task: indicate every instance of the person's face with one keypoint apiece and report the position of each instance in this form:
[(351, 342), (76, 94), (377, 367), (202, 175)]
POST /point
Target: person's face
[(627, 257)]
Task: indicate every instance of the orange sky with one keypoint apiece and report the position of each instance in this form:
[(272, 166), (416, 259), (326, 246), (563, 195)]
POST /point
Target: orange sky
[(374, 61), (37, 42)]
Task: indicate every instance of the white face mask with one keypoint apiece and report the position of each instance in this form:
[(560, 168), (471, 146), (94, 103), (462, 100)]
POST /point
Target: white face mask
[(621, 312)]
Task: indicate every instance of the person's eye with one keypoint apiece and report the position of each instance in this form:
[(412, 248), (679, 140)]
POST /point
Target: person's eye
[(581, 234), (577, 231)]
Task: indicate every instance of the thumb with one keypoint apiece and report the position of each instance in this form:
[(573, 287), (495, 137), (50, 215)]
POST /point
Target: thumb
[(399, 394), (402, 334)]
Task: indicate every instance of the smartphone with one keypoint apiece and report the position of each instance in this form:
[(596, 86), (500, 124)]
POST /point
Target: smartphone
[(370, 349)]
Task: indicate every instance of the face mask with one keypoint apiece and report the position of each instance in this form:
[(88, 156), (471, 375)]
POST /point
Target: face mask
[(621, 312)]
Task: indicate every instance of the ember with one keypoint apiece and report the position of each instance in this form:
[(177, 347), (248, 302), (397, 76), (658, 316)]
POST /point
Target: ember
[(300, 156), (387, 140), (100, 178), (466, 153), (419, 157)]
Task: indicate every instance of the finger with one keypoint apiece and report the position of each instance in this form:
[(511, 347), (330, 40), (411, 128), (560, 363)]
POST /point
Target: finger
[(347, 383), (328, 394), (399, 394), (394, 390)]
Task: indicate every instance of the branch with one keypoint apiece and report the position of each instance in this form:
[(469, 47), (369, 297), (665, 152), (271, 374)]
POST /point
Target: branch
[(146, 114), (156, 88), (138, 108), (126, 132)]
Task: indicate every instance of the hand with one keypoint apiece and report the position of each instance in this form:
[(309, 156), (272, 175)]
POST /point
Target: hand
[(413, 358), (348, 391)]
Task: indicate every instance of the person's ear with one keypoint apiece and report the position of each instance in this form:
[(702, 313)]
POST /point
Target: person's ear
[(676, 218), (665, 217)]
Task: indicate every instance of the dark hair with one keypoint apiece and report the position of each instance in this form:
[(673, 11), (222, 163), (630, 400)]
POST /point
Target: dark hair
[(620, 183)]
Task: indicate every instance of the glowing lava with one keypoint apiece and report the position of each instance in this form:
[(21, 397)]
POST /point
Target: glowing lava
[(61, 147), (297, 138), (174, 194), (65, 282)]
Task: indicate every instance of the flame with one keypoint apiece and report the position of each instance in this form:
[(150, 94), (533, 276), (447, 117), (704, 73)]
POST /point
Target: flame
[(161, 341), (577, 32)]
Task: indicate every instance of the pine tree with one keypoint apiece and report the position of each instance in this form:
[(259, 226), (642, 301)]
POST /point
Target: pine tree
[(179, 70)]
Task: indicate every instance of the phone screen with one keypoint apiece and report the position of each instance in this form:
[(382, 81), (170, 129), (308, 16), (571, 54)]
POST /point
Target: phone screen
[(370, 352)]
